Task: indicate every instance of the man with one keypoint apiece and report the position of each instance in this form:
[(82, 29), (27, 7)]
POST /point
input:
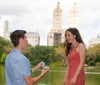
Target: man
[(17, 66)]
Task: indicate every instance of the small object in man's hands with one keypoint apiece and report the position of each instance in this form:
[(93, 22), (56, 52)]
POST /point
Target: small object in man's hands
[(43, 64), (46, 67)]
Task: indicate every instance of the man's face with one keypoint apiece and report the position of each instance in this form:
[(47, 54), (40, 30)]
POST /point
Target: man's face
[(24, 42)]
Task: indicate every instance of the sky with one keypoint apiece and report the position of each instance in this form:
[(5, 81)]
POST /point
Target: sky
[(36, 16)]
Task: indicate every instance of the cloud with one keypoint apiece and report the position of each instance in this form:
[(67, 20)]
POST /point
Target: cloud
[(13, 10), (36, 15)]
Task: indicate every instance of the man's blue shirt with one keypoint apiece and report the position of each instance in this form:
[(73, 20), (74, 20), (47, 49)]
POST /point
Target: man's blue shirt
[(17, 66)]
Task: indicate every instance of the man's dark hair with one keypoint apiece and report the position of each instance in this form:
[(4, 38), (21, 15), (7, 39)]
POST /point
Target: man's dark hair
[(16, 35)]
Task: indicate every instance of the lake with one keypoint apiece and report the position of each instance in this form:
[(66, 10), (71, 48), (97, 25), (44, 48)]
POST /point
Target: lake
[(55, 76)]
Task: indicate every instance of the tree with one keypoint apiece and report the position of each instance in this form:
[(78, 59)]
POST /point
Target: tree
[(93, 54), (5, 48), (41, 53), (59, 45), (4, 45), (2, 59)]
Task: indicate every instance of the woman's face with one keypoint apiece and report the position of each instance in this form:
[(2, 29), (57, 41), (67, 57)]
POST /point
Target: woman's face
[(70, 37)]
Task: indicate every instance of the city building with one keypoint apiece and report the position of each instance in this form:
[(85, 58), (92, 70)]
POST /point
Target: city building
[(74, 17), (56, 34), (32, 37), (6, 30), (94, 41)]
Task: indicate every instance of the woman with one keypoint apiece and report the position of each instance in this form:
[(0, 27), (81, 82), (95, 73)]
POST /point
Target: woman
[(75, 51)]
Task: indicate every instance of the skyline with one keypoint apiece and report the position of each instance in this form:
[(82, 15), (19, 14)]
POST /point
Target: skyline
[(37, 15)]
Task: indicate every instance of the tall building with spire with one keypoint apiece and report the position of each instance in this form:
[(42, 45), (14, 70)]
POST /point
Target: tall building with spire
[(56, 34), (73, 16), (57, 17)]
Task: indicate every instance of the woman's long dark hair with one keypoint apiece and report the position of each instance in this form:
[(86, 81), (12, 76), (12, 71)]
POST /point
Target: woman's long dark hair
[(67, 45)]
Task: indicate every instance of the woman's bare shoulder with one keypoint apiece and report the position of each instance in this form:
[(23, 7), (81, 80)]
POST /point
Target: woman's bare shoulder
[(82, 46)]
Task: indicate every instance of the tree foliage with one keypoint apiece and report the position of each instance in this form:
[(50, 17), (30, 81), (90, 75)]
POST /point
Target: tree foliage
[(4, 45), (5, 48), (2, 59), (93, 54), (41, 53)]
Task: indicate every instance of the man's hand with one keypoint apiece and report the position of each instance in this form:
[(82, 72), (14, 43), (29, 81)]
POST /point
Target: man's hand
[(40, 65), (44, 71), (37, 67), (31, 81)]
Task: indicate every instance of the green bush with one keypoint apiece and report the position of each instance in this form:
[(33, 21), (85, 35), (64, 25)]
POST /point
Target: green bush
[(2, 59)]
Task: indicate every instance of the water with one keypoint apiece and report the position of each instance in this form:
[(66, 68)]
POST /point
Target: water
[(55, 77)]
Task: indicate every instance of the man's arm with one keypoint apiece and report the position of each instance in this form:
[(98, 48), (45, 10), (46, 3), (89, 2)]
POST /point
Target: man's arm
[(37, 67), (31, 81)]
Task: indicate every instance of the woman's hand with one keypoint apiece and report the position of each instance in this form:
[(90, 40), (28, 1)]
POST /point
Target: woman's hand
[(65, 82), (73, 81)]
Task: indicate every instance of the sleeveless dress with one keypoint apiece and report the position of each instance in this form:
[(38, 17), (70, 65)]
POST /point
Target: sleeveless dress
[(73, 62)]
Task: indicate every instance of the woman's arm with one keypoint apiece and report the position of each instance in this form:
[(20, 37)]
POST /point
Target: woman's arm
[(66, 73), (82, 53)]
